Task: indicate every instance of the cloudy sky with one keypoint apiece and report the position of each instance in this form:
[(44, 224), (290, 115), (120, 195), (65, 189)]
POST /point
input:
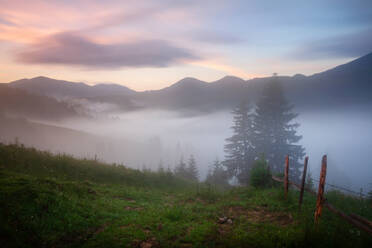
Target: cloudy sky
[(151, 44)]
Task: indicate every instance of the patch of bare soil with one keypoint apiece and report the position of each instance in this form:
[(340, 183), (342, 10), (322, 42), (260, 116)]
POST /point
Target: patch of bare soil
[(260, 215), (125, 226), (101, 228), (129, 208), (256, 215), (194, 200), (149, 243)]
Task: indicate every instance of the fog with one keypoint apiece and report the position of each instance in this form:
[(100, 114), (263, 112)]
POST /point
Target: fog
[(158, 136), (143, 139), (346, 138)]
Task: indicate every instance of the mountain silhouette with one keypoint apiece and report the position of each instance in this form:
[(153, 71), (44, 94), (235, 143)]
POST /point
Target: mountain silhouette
[(343, 86), (20, 103), (61, 89)]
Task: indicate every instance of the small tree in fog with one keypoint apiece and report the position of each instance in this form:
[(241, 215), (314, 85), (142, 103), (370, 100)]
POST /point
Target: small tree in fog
[(161, 167), (240, 152), (217, 174), (260, 176), (145, 169), (181, 170), (169, 172), (192, 169), (369, 197), (309, 182)]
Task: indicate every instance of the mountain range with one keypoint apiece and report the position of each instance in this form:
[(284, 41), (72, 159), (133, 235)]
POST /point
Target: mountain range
[(341, 87)]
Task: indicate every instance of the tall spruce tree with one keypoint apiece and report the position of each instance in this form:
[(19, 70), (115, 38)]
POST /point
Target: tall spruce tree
[(240, 152), (274, 129)]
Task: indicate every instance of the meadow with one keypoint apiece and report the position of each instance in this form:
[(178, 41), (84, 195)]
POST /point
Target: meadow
[(49, 200)]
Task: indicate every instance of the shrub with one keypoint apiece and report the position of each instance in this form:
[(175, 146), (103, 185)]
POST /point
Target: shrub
[(260, 174)]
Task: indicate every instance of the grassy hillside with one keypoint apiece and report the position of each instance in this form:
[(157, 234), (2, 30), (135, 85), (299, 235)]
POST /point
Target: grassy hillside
[(59, 201)]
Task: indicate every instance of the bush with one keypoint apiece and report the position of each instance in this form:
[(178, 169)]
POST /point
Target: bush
[(260, 174)]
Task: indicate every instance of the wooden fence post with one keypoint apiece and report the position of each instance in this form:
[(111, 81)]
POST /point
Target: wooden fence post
[(320, 197), (286, 169), (303, 183)]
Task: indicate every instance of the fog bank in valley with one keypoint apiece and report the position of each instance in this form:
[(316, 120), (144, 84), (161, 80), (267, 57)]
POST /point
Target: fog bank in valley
[(154, 137), (345, 136), (145, 138)]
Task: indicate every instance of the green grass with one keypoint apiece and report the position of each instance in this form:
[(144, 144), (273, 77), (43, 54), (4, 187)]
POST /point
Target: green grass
[(59, 201)]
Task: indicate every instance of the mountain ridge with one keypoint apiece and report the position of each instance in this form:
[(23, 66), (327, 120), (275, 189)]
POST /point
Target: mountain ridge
[(366, 59), (60, 88), (346, 84)]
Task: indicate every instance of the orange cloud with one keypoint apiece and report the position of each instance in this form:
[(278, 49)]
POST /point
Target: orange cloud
[(21, 34)]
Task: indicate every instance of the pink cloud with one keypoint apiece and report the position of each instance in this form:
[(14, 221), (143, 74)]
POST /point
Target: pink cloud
[(72, 49)]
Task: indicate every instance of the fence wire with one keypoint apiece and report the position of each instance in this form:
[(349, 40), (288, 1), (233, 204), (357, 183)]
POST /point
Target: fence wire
[(360, 194)]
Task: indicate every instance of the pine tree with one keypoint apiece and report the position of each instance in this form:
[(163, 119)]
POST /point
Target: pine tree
[(161, 167), (169, 170), (180, 170), (239, 151), (192, 169), (275, 132), (309, 182), (145, 169), (217, 175), (369, 196)]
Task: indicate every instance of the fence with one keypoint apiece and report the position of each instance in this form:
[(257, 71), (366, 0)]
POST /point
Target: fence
[(321, 201)]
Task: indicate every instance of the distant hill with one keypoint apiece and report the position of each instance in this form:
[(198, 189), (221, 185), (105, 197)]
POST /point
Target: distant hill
[(343, 86), (195, 95), (65, 89), (347, 84), (47, 137), (17, 102)]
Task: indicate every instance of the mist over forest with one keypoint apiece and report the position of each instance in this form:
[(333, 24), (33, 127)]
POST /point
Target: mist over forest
[(146, 138), (191, 118)]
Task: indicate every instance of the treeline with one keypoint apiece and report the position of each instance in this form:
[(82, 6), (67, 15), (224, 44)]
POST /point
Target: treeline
[(188, 170), (182, 170)]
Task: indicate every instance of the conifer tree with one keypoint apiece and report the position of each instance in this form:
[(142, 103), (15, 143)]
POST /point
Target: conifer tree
[(240, 152), (275, 132), (180, 170), (145, 169), (161, 167), (309, 182), (192, 169), (169, 170), (217, 175)]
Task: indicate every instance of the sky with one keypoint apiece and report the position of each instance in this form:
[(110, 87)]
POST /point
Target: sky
[(154, 43)]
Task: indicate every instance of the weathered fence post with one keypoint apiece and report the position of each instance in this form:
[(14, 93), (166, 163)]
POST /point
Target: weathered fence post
[(320, 197), (303, 183), (286, 169)]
